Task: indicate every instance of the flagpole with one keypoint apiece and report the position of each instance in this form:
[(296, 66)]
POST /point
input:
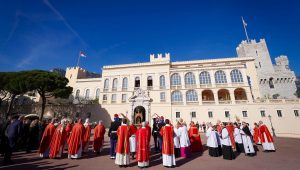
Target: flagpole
[(78, 59), (244, 24)]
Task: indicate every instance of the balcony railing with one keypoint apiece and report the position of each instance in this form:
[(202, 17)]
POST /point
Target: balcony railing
[(190, 86), (162, 87), (150, 88), (208, 102), (241, 101), (114, 89), (222, 85), (192, 102), (175, 87), (205, 85), (124, 89), (225, 102), (105, 90), (177, 102)]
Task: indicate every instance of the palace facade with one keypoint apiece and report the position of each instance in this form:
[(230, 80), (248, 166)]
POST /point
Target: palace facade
[(244, 88)]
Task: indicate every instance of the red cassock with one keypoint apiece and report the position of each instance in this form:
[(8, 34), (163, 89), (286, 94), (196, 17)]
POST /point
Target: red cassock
[(256, 135), (123, 133), (264, 130), (143, 144), (230, 129), (68, 129), (195, 139), (168, 144), (99, 132), (47, 136), (87, 135), (58, 140), (76, 138), (149, 131), (133, 129)]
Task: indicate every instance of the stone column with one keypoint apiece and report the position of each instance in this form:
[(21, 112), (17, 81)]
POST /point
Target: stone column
[(232, 98)]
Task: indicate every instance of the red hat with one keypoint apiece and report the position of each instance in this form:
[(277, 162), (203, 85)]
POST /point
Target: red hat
[(161, 117), (116, 115)]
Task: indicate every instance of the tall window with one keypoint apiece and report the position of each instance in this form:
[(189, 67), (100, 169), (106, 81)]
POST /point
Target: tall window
[(125, 83), (236, 76), (296, 112), (220, 77), (175, 79), (210, 114), (271, 83), (77, 94), (137, 82), (176, 96), (149, 81), (263, 113), (115, 84), (189, 79), (245, 114), (87, 94), (193, 114), (162, 81), (162, 96), (124, 98), (204, 78), (106, 84), (191, 96), (97, 93), (227, 114), (104, 97), (113, 98)]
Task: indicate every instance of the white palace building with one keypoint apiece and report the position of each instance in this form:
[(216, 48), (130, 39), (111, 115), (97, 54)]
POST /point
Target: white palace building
[(246, 88)]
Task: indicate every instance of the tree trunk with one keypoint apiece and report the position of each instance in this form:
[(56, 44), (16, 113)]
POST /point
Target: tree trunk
[(43, 106), (10, 105)]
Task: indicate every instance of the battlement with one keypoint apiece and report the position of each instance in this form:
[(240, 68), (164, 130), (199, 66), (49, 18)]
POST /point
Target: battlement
[(159, 57)]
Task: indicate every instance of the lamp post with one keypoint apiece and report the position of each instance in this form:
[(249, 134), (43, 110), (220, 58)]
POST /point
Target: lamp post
[(273, 130)]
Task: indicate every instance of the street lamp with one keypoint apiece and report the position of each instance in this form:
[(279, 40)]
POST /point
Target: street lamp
[(273, 130)]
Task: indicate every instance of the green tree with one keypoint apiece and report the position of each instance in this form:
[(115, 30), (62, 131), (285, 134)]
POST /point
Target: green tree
[(48, 85)]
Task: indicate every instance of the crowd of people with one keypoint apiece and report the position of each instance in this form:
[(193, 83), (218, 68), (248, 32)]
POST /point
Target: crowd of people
[(129, 141)]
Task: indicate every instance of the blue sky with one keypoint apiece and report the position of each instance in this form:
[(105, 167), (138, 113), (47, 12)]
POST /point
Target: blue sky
[(45, 34)]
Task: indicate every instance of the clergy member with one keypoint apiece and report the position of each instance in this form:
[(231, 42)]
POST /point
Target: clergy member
[(75, 140), (256, 134), (176, 140), (132, 140), (212, 141), (238, 139), (226, 144), (46, 139), (143, 146), (87, 135), (99, 132), (195, 139), (168, 145), (230, 129), (184, 141), (112, 134), (58, 141), (247, 140), (122, 147), (266, 138)]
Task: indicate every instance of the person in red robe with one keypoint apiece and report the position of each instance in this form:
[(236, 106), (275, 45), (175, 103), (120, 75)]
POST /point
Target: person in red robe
[(132, 140), (122, 148), (46, 139), (195, 139), (143, 146), (149, 129), (168, 153), (87, 135), (69, 128), (256, 134), (58, 140), (230, 129), (99, 132), (267, 140), (75, 140)]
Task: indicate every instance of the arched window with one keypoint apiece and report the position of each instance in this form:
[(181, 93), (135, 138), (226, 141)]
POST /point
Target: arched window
[(271, 84), (220, 77), (176, 96), (115, 84), (77, 94), (149, 81), (137, 82), (162, 81), (106, 84), (125, 83), (191, 96), (175, 79), (97, 93), (87, 94), (236, 76), (189, 79), (204, 78)]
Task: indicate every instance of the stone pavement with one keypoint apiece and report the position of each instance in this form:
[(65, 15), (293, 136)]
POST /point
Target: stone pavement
[(286, 157)]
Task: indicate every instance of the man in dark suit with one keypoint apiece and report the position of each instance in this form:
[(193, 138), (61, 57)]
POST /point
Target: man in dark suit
[(112, 133), (155, 132)]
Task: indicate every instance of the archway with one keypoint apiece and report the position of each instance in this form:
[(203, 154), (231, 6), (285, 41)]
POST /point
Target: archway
[(223, 95), (240, 94), (207, 95), (139, 115)]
